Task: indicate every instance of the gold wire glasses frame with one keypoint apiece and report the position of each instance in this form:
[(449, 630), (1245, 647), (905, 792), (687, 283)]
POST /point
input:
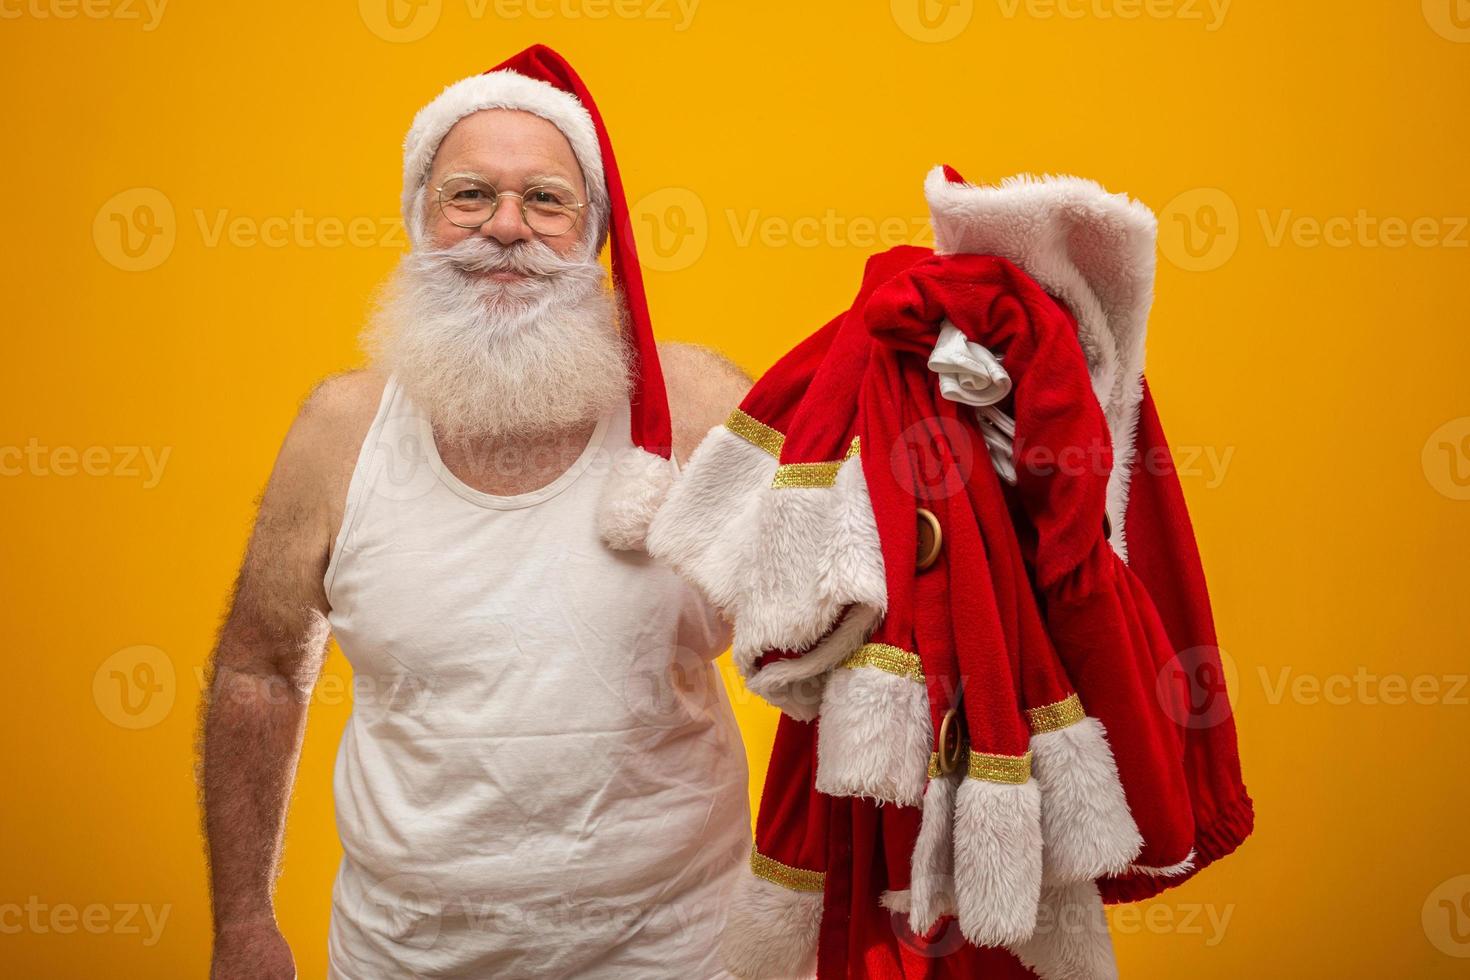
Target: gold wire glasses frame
[(468, 201)]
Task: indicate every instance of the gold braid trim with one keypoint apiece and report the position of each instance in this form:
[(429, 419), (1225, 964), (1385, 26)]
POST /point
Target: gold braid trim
[(885, 656), (934, 772), (812, 475), (1054, 717), (755, 432), (1000, 768), (805, 475), (797, 879)]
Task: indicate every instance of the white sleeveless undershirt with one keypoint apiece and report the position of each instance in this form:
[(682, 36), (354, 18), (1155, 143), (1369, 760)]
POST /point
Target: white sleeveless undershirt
[(541, 775)]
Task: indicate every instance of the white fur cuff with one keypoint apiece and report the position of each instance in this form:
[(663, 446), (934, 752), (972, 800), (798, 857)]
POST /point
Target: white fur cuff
[(997, 860), (1071, 941), (873, 736), (1087, 827), (931, 869), (797, 685), (818, 554), (770, 931), (706, 528)]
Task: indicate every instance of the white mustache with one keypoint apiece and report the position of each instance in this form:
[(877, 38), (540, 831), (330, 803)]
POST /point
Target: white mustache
[(486, 255)]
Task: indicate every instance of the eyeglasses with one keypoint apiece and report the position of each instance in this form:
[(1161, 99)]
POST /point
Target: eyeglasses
[(469, 201)]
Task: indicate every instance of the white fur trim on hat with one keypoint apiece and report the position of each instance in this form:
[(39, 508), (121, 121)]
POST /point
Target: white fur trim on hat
[(1092, 250), (634, 491), (504, 89)]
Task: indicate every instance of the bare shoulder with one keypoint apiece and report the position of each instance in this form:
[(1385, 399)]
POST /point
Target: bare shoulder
[(343, 403), (279, 600), (328, 432), (308, 484), (704, 386)]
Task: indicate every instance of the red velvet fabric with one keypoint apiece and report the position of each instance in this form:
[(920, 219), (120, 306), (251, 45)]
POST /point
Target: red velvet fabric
[(1029, 599), (1165, 562)]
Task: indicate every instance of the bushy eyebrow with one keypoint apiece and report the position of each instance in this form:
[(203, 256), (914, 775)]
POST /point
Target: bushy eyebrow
[(534, 180), (544, 180)]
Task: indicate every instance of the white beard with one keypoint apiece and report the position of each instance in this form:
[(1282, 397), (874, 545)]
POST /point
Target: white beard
[(488, 359)]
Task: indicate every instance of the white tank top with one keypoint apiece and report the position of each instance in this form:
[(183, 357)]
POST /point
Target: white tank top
[(541, 775)]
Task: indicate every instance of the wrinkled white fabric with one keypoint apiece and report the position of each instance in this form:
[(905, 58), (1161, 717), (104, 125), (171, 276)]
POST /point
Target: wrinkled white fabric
[(968, 372), (542, 775), (971, 375)]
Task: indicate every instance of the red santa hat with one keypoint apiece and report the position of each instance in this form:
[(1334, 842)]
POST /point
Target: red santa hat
[(539, 81)]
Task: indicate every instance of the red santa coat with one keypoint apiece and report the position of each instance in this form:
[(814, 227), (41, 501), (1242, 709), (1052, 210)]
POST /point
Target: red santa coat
[(798, 518)]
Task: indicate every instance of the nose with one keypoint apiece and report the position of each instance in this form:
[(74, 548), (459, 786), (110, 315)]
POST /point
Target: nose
[(507, 225)]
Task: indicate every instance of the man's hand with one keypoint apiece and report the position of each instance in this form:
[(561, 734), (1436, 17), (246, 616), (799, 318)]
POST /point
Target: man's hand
[(265, 664), (252, 950)]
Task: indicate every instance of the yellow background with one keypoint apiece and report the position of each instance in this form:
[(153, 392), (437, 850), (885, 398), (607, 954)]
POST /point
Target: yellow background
[(765, 145)]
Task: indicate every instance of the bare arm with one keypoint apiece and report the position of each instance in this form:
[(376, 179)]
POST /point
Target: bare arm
[(703, 386), (267, 659)]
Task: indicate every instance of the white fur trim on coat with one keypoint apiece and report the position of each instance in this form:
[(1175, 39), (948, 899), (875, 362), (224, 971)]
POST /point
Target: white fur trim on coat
[(931, 868), (504, 89), (770, 931), (706, 528), (873, 736), (632, 494), (1167, 871), (818, 554), (1071, 941), (785, 565), (1086, 825), (1090, 249), (797, 685), (997, 860)]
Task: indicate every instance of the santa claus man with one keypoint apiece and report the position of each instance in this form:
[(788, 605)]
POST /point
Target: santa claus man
[(541, 775)]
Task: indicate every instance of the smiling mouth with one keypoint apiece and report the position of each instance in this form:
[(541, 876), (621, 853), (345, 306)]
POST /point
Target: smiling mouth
[(498, 275)]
